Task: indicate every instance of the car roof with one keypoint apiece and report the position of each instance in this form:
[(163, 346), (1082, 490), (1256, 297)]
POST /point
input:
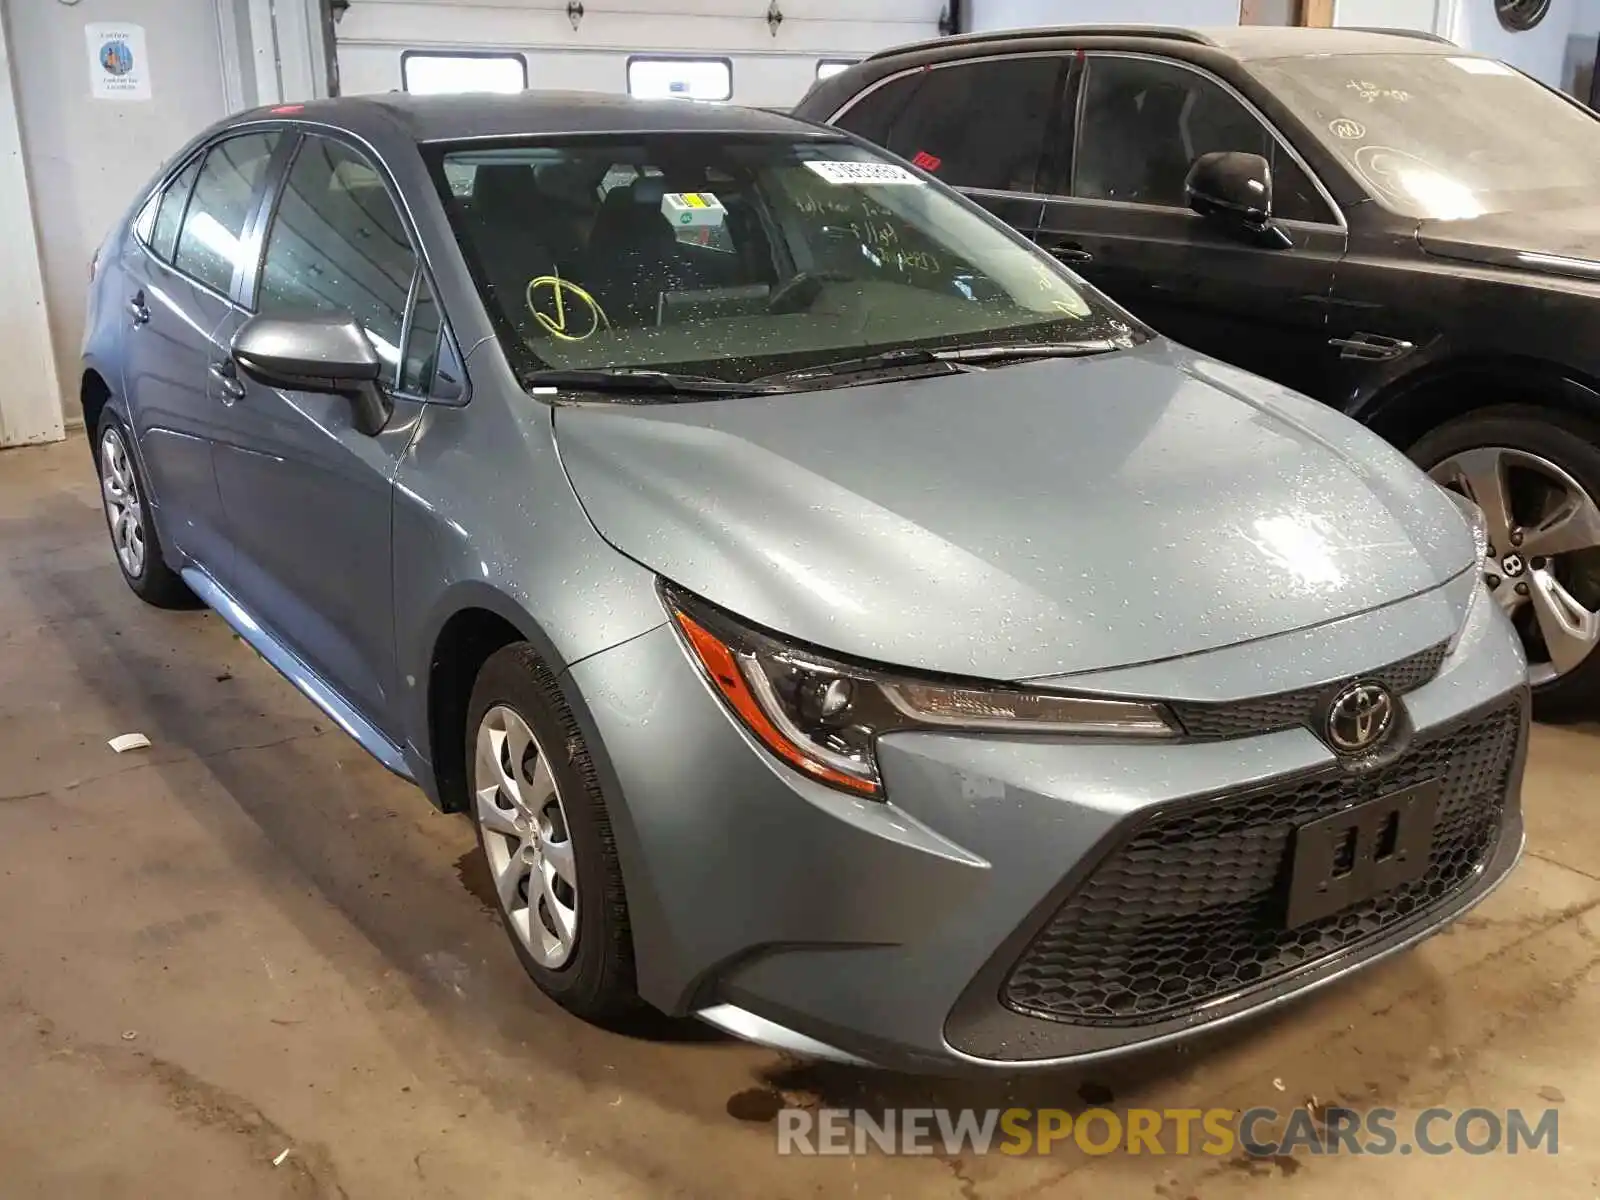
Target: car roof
[(459, 117), (1243, 42)]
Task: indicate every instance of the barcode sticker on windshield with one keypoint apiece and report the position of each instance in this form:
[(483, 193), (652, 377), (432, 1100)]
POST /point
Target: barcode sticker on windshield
[(859, 173), (1482, 66)]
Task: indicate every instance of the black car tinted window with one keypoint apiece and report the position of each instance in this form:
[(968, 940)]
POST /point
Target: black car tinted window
[(169, 215), (981, 124), (209, 243), (1144, 122), (873, 116), (337, 245)]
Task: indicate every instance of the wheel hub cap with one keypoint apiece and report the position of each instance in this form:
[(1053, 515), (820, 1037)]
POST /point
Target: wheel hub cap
[(1544, 551), (518, 807), (124, 512)]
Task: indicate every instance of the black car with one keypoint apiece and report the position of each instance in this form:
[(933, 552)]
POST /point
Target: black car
[(1404, 230)]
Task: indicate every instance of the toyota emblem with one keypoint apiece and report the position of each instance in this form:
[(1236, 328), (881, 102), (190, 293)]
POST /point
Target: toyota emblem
[(1360, 717)]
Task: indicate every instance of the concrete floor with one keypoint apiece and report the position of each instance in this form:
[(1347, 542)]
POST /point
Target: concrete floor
[(249, 938)]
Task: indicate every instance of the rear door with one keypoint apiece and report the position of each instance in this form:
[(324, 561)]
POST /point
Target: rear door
[(307, 496), (982, 125), (1119, 216), (180, 275)]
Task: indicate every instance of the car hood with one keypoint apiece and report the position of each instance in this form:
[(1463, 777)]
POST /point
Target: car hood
[(1558, 242), (1042, 519)]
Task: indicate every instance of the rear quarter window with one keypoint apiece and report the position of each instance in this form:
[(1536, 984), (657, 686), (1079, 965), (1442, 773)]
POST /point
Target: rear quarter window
[(874, 113)]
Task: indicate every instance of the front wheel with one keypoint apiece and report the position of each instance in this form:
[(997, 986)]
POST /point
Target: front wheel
[(1536, 475), (546, 837)]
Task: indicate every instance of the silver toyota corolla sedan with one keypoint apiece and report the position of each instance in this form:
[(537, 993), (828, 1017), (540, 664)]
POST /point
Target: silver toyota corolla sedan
[(842, 623)]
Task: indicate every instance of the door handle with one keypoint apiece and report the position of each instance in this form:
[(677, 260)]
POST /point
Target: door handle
[(1071, 252), (138, 309), (226, 376), (1371, 347)]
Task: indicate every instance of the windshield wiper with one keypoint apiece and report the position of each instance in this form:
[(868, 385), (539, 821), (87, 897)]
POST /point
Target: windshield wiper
[(639, 381), (888, 360), (989, 354)]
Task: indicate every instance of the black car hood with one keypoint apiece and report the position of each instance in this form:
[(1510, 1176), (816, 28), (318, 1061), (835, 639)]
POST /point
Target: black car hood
[(1559, 242)]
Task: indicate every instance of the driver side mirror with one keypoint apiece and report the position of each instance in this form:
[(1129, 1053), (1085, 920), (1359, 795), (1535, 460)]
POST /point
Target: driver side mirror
[(1235, 190), (328, 354)]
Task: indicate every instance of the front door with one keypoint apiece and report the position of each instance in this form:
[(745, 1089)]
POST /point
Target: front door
[(180, 272), (307, 496), (1122, 221)]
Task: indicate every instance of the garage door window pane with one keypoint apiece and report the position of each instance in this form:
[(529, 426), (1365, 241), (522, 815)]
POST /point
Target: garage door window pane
[(435, 74), (208, 245), (680, 78), (981, 125), (337, 246)]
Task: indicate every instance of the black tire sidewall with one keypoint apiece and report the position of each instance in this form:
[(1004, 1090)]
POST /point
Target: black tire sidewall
[(597, 980), (1572, 443)]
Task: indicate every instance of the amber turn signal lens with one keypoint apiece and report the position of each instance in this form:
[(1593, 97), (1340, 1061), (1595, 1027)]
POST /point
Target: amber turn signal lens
[(722, 668)]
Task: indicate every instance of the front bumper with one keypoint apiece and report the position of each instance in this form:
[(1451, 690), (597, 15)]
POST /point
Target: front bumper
[(889, 933)]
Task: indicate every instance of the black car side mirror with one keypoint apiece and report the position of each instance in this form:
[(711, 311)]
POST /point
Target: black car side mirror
[(316, 354), (1235, 190)]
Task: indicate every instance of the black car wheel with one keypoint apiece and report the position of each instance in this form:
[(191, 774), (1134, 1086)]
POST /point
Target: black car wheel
[(126, 500), (1536, 475), (546, 837)]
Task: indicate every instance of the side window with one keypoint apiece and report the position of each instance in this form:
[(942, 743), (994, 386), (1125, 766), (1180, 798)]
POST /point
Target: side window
[(422, 342), (337, 245), (169, 215), (208, 244), (1145, 122), (981, 124), (874, 115)]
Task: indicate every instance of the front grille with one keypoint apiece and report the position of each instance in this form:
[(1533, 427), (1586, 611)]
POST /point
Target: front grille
[(1191, 907), (1267, 714)]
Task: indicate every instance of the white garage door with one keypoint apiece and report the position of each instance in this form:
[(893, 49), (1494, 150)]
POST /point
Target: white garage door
[(722, 49)]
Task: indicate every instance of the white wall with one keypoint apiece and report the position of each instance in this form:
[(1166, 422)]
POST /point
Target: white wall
[(1541, 51), (768, 68), (84, 157), (30, 409), (1390, 14), (1018, 14)]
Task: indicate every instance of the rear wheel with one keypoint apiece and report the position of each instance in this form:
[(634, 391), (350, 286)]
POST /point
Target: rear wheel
[(1536, 475), (546, 837), (133, 534)]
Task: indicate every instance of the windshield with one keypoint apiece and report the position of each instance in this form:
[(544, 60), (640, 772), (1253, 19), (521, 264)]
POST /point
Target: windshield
[(737, 258), (1439, 136)]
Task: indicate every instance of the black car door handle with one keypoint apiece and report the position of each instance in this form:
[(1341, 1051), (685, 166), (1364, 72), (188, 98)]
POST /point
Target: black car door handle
[(138, 309), (226, 376), (1071, 252), (1371, 347)]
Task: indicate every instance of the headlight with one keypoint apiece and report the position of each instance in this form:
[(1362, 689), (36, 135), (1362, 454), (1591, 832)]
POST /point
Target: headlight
[(824, 717), (1475, 520)]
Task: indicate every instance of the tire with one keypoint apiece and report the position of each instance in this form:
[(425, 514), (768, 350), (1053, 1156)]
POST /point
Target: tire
[(594, 978), (1539, 455), (125, 499)]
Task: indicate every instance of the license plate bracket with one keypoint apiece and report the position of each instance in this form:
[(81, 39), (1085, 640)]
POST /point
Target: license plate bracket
[(1360, 852)]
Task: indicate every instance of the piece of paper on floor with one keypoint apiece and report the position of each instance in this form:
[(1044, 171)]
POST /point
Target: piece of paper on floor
[(129, 741)]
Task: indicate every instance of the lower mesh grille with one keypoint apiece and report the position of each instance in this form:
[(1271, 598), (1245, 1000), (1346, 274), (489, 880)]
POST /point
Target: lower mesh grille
[(1191, 907)]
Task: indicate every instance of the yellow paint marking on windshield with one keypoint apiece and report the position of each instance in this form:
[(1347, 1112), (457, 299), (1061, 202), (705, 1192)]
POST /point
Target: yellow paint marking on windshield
[(559, 289)]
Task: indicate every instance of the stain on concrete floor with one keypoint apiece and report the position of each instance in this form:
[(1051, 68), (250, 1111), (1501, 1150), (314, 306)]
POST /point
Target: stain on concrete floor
[(299, 946)]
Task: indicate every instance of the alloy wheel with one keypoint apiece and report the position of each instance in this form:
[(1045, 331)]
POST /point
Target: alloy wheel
[(124, 511), (1543, 562), (526, 838)]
